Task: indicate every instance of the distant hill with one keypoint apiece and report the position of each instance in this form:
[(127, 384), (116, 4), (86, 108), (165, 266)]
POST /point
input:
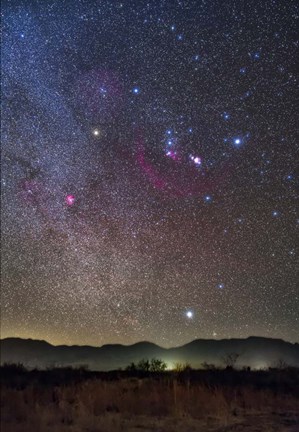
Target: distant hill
[(256, 352)]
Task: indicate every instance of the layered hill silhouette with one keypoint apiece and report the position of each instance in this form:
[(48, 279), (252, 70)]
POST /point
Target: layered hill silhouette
[(256, 352)]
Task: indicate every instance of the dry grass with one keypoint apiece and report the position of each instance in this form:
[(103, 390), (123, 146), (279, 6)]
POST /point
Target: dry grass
[(162, 404)]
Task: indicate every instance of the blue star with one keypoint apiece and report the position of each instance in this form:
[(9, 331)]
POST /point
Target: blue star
[(275, 213), (136, 90), (208, 198), (237, 141), (226, 116), (173, 27), (220, 285), (196, 57), (22, 35), (180, 37), (243, 70), (289, 177)]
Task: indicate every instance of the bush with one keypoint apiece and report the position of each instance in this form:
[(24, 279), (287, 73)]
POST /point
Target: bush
[(182, 367), (153, 365)]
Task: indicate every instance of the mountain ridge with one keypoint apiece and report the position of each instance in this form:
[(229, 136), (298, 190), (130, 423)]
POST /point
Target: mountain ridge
[(254, 351), (147, 342)]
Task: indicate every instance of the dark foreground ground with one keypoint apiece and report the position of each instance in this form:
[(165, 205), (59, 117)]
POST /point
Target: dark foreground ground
[(73, 400)]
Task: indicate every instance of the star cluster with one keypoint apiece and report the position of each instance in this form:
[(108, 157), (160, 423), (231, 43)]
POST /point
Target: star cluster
[(149, 186)]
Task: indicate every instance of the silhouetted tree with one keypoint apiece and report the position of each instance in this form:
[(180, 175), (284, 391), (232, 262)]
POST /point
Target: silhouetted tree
[(131, 367), (208, 366), (144, 365), (157, 365), (281, 364), (182, 367), (230, 360)]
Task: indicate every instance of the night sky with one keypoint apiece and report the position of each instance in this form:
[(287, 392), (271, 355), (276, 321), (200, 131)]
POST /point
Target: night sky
[(148, 174)]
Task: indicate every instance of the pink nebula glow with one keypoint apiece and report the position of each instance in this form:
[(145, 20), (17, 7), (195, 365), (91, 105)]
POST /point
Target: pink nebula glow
[(70, 200), (173, 155), (180, 180), (196, 159)]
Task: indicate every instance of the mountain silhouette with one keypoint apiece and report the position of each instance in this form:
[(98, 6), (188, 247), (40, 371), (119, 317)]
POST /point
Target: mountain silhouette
[(256, 352)]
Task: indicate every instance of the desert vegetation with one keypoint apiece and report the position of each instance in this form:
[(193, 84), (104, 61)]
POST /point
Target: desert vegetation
[(141, 398)]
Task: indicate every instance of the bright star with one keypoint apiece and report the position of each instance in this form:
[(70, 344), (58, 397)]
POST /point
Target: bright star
[(136, 90), (208, 198), (238, 141), (96, 132), (189, 314)]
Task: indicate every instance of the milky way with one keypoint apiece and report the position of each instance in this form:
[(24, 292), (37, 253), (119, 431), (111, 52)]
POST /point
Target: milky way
[(148, 174)]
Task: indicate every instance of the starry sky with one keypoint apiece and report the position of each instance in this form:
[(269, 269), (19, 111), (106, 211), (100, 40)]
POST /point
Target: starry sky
[(148, 173)]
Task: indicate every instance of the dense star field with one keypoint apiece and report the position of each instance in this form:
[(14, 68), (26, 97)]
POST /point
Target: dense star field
[(148, 170)]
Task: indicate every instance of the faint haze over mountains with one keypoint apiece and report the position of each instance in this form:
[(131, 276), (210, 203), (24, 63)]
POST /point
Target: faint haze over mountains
[(256, 352)]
